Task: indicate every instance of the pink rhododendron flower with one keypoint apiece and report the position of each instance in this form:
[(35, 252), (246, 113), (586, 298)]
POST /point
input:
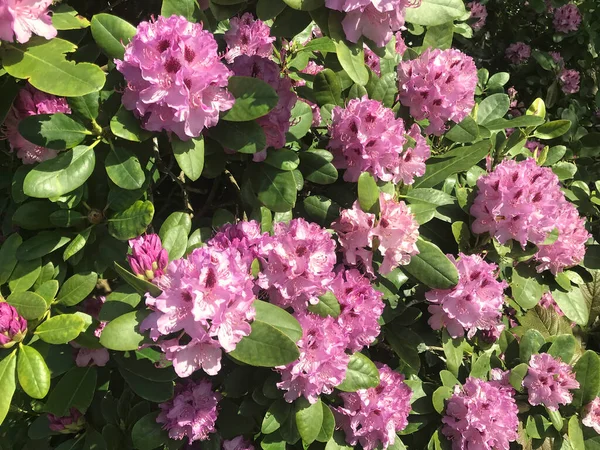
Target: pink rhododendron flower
[(534, 146), (312, 68), (245, 237), (277, 122), (148, 258), (479, 12), (30, 102), (372, 60), (13, 327), (237, 443), (90, 356), (475, 303), (567, 18), (373, 416), (72, 423), (354, 231), (591, 415), (297, 264), (192, 412), (366, 137), (547, 302), (361, 307), (175, 78), (322, 363), (481, 415), (377, 20), (548, 381), (247, 36), (439, 86), (569, 81), (400, 44), (19, 19), (518, 53), (207, 295)]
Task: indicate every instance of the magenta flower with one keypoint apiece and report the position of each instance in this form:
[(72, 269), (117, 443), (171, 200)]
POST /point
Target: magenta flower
[(277, 122), (534, 146), (247, 36), (322, 363), (30, 102), (354, 231), (237, 443), (548, 381), (361, 307), (148, 258), (192, 412), (400, 44), (373, 416), (13, 327), (246, 237), (479, 12), (475, 303), (372, 60), (518, 53), (175, 78), (481, 415), (312, 68), (439, 86), (297, 264), (19, 19), (591, 415), (569, 81), (567, 18), (548, 302), (70, 424)]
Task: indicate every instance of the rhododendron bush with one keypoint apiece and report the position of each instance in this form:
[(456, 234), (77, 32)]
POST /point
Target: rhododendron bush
[(308, 224)]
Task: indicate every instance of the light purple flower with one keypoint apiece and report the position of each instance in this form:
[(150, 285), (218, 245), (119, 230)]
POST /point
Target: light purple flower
[(548, 302), (72, 423), (591, 415), (569, 81), (372, 60), (518, 53), (13, 327), (247, 36), (237, 443), (19, 19), (148, 258), (479, 12), (548, 381), (567, 18)]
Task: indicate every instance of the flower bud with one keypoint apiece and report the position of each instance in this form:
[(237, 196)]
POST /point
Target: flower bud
[(13, 327), (148, 258), (70, 424)]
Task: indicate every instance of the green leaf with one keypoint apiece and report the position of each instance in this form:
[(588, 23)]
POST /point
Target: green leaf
[(573, 304), (435, 12), (361, 374), (44, 65), (493, 107), (309, 418), (368, 193), (124, 169), (29, 304), (243, 137), (546, 321), (575, 433), (189, 155), (431, 267), (140, 285), (282, 159), (551, 130), (526, 289), (278, 318), (175, 242), (531, 342), (123, 333), (185, 8), (301, 120), (77, 288), (517, 374), (112, 34), (7, 382), (383, 89), (126, 126), (8, 256), (66, 218), (439, 36), (86, 106), (34, 215), (25, 275), (304, 5), (563, 347), (60, 329), (40, 245), (327, 89), (404, 342), (328, 306), (315, 165), (591, 259), (266, 346), (74, 390), (48, 291), (517, 122), (338, 442), (57, 131), (60, 175), (453, 350), (34, 376), (328, 425), (253, 99), (564, 170), (132, 222), (440, 395), (147, 433), (458, 160), (269, 9), (276, 415), (352, 60), (587, 372), (77, 244), (274, 188), (66, 18), (321, 209), (289, 23)]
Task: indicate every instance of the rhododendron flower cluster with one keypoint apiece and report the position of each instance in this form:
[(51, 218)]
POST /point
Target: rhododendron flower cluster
[(30, 102), (366, 137), (207, 295), (237, 443), (19, 19), (475, 303), (373, 416), (148, 258), (439, 86), (377, 20), (396, 231), (522, 201), (247, 36), (518, 53), (591, 415), (296, 263), (479, 12), (548, 381), (175, 78), (245, 237), (481, 415), (569, 81), (323, 359), (567, 18), (72, 423), (13, 327), (277, 122), (192, 412), (372, 60)]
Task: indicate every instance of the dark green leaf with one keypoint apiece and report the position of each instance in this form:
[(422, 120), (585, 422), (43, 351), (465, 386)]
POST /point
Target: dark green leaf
[(274, 188), (140, 285), (147, 433), (253, 99), (126, 126), (587, 371), (57, 131), (123, 333), (316, 166), (40, 245), (124, 169), (25, 275), (243, 137), (432, 267), (75, 389), (327, 88), (8, 256), (361, 374), (309, 418), (7, 382), (530, 344), (526, 289), (132, 222), (77, 288), (554, 129)]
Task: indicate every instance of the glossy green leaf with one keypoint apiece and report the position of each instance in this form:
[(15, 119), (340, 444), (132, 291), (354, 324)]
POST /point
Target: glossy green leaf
[(243, 137), (269, 9), (327, 426), (575, 433), (368, 193), (66, 18), (361, 374), (530, 344), (254, 98), (526, 289), (77, 288), (309, 418), (174, 241), (34, 215), (57, 131), (587, 372), (276, 415), (86, 106), (25, 275), (316, 166), (304, 5), (34, 376), (282, 159), (278, 318), (123, 333), (431, 267), (29, 304), (404, 342), (7, 382), (75, 389), (147, 433), (573, 304), (328, 306), (140, 285), (453, 350), (352, 59), (8, 256), (327, 89), (124, 169), (274, 188), (66, 218), (112, 34), (77, 244), (48, 290), (185, 8), (563, 347), (301, 120), (60, 329), (132, 222), (40, 245), (554, 129), (189, 155), (435, 12), (493, 107), (126, 126)]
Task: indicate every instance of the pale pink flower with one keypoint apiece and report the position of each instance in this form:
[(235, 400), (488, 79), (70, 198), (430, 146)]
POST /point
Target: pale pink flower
[(90, 356), (518, 53), (237, 443), (567, 18), (19, 19), (247, 36), (548, 381), (479, 12), (312, 68), (354, 231), (569, 81), (591, 415), (372, 60)]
